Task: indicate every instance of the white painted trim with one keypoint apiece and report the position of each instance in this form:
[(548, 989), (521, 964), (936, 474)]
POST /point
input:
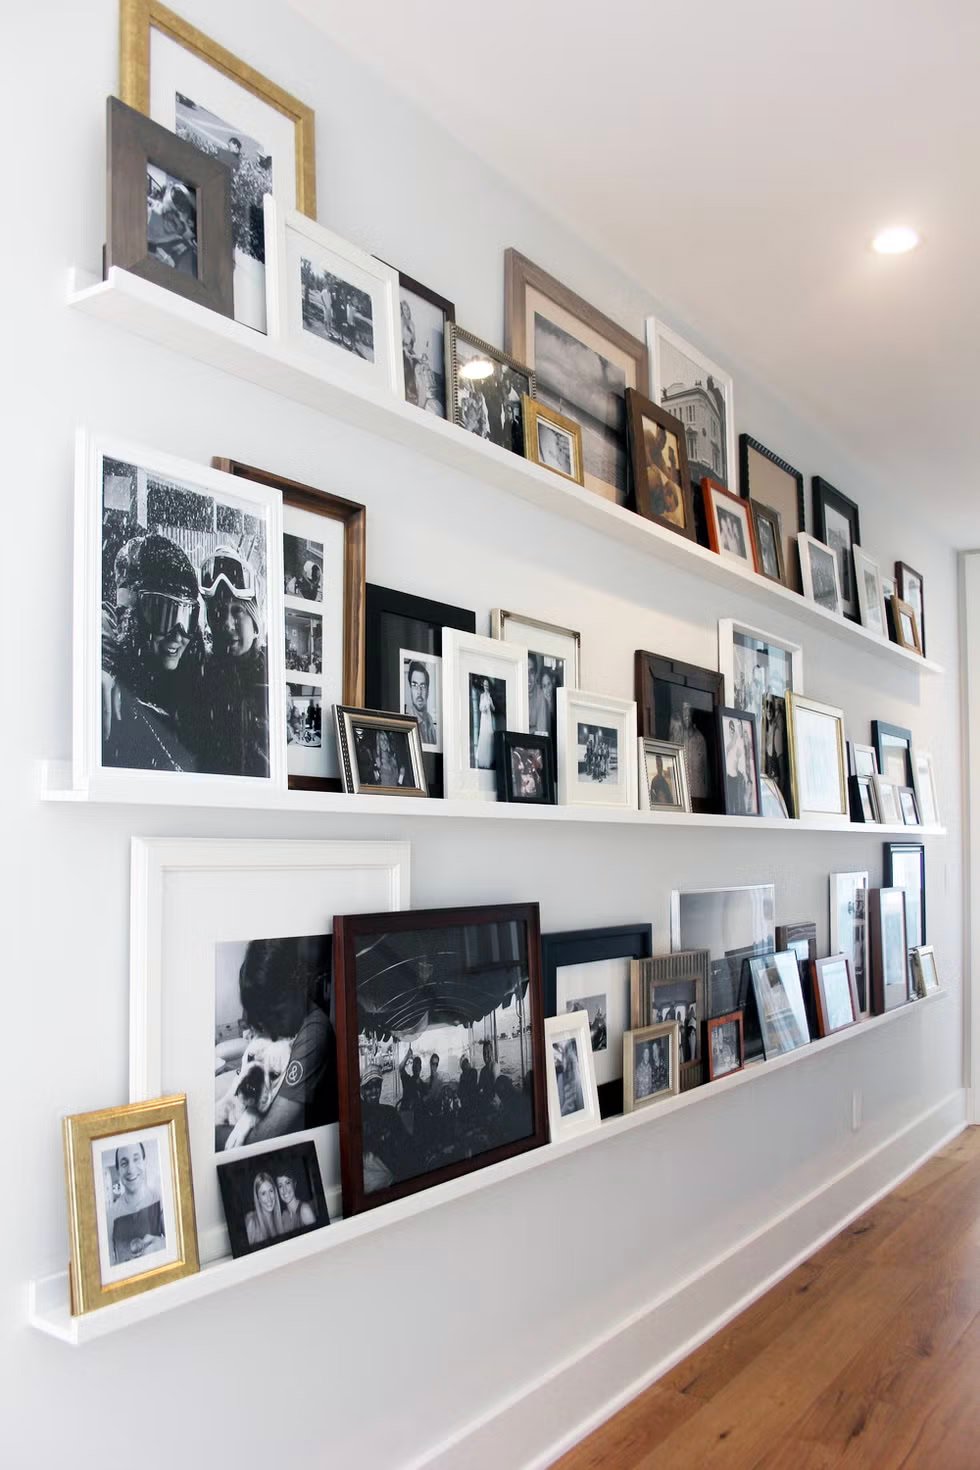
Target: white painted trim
[(970, 656)]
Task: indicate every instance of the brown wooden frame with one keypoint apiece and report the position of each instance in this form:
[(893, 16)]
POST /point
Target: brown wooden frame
[(691, 965), (649, 669), (771, 517), (902, 571), (899, 607), (639, 408), (347, 930), (883, 997), (711, 1024), (817, 969), (709, 490), (354, 519), (133, 141)]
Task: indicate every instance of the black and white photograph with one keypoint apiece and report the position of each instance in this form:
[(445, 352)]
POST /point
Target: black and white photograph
[(739, 738), (171, 220), (272, 1196), (576, 380), (692, 726), (765, 536), (489, 392), (597, 753), (568, 1075), (911, 590), (849, 926), (275, 1061), (761, 673), (545, 676), (725, 1046), (527, 771), (824, 574), (137, 1204), (302, 568), (304, 715), (250, 165), (732, 924), (700, 396), (595, 1007), (666, 778), (779, 1002), (423, 332), (384, 757), (573, 1098), (304, 642), (870, 603), (676, 1000), (650, 1067), (731, 534), (422, 694), (488, 714), (184, 616), (556, 449), (837, 523), (337, 311), (838, 538)]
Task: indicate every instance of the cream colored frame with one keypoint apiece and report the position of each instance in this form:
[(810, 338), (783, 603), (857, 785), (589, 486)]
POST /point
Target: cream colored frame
[(650, 1033), (799, 701)]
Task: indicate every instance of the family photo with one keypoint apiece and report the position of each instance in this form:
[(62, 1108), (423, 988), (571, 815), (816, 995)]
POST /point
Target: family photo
[(651, 1067), (488, 713), (490, 404), (272, 1196), (422, 695), (423, 327), (171, 221), (676, 1000), (304, 715), (598, 753), (336, 311), (580, 383), (136, 1224), (304, 642), (384, 757), (302, 565), (663, 469)]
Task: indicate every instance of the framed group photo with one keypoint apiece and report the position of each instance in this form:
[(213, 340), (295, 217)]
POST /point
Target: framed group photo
[(596, 750), (487, 389)]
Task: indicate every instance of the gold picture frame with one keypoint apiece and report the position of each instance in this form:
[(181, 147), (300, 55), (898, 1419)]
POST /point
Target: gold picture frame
[(829, 807), (640, 1036), (906, 624), (535, 412), (97, 1275)]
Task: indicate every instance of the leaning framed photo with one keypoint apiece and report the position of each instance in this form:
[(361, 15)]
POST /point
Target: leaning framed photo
[(130, 1201), (272, 1197), (178, 624), (817, 758), (732, 924), (573, 1101), (759, 669), (451, 998), (731, 529), (767, 524), (423, 315), (738, 735), (724, 1045), (849, 927), (779, 1003), (660, 476), (687, 383), (910, 587), (905, 625), (596, 750), (663, 783), (871, 599), (925, 788), (674, 987), (836, 994), (651, 1068), (893, 747), (889, 950), (819, 573), (380, 753), (487, 389), (554, 661), (484, 687), (679, 702), (525, 768), (553, 440), (837, 523), (764, 476), (886, 801), (924, 971), (904, 867)]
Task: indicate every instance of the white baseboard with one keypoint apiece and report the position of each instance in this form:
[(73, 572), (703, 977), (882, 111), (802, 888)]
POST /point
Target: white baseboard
[(584, 1389)]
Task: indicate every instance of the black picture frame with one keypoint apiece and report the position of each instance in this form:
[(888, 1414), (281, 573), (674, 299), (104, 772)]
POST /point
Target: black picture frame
[(134, 141), (659, 684), (917, 850), (733, 806), (801, 938), (828, 497), (237, 1179), (583, 947), (904, 576), (425, 293), (790, 506), (421, 620), (506, 742), (885, 737), (857, 788)]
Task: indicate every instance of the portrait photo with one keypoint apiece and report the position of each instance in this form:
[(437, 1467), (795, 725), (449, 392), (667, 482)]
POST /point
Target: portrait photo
[(171, 220), (302, 567), (545, 676), (838, 537), (573, 1100), (677, 705), (304, 642), (597, 753), (725, 1045), (739, 738), (662, 459), (487, 715), (759, 669), (137, 1204), (384, 757), (423, 320), (650, 1069), (422, 694), (769, 548), (568, 1074), (272, 1196), (489, 390), (304, 715), (820, 574), (664, 781), (731, 535), (555, 451)]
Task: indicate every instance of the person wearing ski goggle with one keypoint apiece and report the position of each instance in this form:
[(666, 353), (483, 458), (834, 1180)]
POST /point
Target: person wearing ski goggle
[(231, 597), (236, 695)]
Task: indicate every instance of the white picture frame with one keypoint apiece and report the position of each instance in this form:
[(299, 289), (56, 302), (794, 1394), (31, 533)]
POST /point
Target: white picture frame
[(298, 318), (818, 759), (925, 972), (604, 772), (849, 928), (871, 600), (188, 897), (886, 799), (565, 1119), (469, 723), (731, 628), (679, 372), (98, 611), (924, 780), (818, 565)]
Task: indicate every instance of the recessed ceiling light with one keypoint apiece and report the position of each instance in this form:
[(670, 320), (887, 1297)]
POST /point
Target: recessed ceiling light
[(476, 369), (896, 240)]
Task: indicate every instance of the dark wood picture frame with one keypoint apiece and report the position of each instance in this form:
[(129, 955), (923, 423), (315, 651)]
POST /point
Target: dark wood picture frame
[(767, 516), (792, 515), (506, 741), (454, 414), (275, 1162), (903, 572), (652, 671), (891, 850), (887, 994), (407, 283), (710, 1026), (882, 735), (899, 609), (583, 947), (133, 141), (819, 970), (353, 518), (645, 494), (827, 497), (349, 932), (711, 490), (692, 967), (727, 712)]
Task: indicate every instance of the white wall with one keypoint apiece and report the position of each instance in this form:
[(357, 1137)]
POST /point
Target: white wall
[(376, 1353)]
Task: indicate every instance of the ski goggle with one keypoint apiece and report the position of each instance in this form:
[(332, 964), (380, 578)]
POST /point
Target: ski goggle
[(236, 574), (160, 613)]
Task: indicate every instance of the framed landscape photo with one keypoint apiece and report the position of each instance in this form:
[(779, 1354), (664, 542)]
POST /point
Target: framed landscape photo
[(849, 928), (663, 783), (724, 1045), (442, 1059), (738, 735), (689, 385), (924, 971), (731, 529), (487, 389), (651, 1068), (905, 625), (272, 1197), (679, 702), (904, 867), (836, 994), (484, 683), (554, 661), (767, 524), (871, 601), (779, 1003), (888, 949), (423, 315), (583, 364), (893, 747), (380, 754), (910, 588), (596, 750), (674, 987), (819, 573), (573, 1100), (525, 768), (759, 670), (764, 476), (660, 476), (837, 523), (553, 440), (817, 760)]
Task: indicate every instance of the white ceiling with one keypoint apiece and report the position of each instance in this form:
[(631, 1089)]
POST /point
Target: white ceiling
[(735, 156)]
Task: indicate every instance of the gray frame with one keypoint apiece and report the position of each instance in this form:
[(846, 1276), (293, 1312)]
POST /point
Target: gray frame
[(665, 969)]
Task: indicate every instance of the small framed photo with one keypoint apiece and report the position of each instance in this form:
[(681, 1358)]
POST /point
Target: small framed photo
[(819, 573), (724, 1045), (817, 758), (767, 524), (651, 1068), (925, 973), (130, 1201), (909, 806), (380, 753), (837, 523), (886, 801), (889, 949), (731, 533), (423, 315), (925, 788), (863, 799), (596, 745), (487, 389), (779, 1001), (484, 687), (553, 440), (765, 476), (658, 454), (573, 1099), (849, 927), (525, 768), (739, 737), (697, 390), (554, 661), (906, 625), (674, 987), (836, 994), (909, 585), (773, 800), (871, 600), (663, 781), (862, 760), (272, 1197)]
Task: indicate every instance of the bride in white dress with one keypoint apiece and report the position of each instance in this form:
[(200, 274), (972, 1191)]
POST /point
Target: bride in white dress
[(484, 744)]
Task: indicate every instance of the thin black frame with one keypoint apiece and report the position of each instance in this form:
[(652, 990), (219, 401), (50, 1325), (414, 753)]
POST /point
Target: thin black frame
[(728, 712), (755, 981), (854, 784), (583, 947), (901, 568), (448, 309), (228, 1174), (506, 740), (880, 728), (889, 850), (824, 495)]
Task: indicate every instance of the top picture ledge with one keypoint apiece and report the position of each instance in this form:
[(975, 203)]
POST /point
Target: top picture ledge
[(136, 305)]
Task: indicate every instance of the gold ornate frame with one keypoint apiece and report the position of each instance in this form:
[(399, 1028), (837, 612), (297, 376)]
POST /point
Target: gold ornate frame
[(533, 410)]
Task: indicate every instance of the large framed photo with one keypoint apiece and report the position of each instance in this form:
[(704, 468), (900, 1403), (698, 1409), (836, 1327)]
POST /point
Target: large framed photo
[(849, 928), (553, 440), (663, 783), (759, 670), (440, 1020), (178, 629), (651, 1068), (660, 475), (910, 587), (870, 598), (583, 362), (889, 950), (819, 573), (837, 523), (674, 987), (904, 867), (596, 750), (732, 924), (817, 758), (130, 1201), (272, 1197), (893, 747), (331, 301), (731, 526), (233, 991), (688, 384), (226, 109), (323, 561), (573, 1101), (554, 661), (679, 702), (738, 734), (423, 315), (779, 1002), (380, 754), (764, 476), (484, 691), (487, 389)]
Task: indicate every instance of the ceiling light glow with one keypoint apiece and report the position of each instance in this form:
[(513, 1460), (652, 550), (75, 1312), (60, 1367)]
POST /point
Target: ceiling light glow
[(896, 240), (477, 369)]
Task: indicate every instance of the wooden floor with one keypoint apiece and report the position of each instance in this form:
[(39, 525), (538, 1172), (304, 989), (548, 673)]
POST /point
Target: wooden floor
[(866, 1357)]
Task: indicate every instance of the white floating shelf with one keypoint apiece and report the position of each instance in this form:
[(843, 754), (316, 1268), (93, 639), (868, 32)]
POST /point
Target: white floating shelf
[(139, 306), (48, 1308), (142, 789)]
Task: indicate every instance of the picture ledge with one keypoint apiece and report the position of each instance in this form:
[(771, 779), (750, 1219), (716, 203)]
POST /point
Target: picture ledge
[(48, 1305), (139, 306)]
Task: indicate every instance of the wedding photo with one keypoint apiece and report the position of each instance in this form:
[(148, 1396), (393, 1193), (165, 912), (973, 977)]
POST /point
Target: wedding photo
[(488, 713)]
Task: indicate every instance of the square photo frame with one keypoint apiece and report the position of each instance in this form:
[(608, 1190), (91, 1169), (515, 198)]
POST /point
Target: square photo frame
[(525, 768), (651, 1067), (380, 753), (573, 1099), (660, 476), (596, 750), (487, 389), (484, 689), (663, 784), (553, 440), (685, 382)]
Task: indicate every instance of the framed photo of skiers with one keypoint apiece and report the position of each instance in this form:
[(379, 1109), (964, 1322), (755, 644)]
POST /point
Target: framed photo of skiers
[(596, 750)]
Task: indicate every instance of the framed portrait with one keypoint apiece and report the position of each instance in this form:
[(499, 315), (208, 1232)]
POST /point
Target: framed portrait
[(484, 684), (663, 783), (904, 867), (226, 109), (816, 758), (837, 523), (583, 363), (272, 1197), (573, 1100), (732, 924), (779, 1003), (886, 801), (905, 625), (764, 476), (596, 750), (177, 609), (487, 389), (759, 669), (168, 210), (849, 928), (724, 1045), (925, 788), (423, 315), (650, 1065), (773, 800), (679, 702), (738, 735), (862, 760), (863, 799), (893, 747), (909, 586), (403, 663), (589, 970), (525, 768), (323, 562), (767, 525), (836, 994), (689, 385), (871, 601), (331, 301), (925, 974), (731, 529), (380, 753), (130, 1201), (888, 949), (554, 661), (908, 805), (658, 457), (553, 440), (819, 573), (441, 1029), (232, 991), (674, 987)]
